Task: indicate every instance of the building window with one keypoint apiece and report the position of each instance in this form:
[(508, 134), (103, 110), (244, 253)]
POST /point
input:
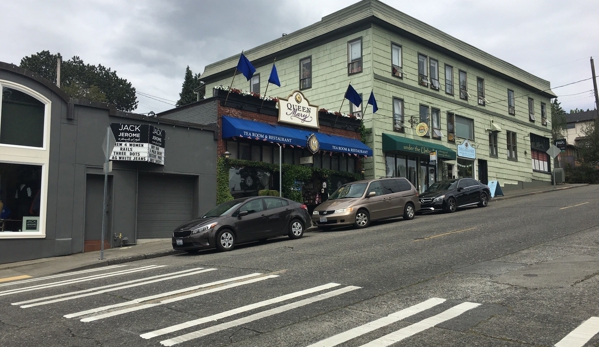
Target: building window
[(540, 160), (449, 79), (422, 70), (425, 118), (480, 90), (306, 73), (450, 127), (396, 66), (436, 120), (512, 146), (493, 144), (434, 68), (398, 115), (543, 114), (531, 109), (255, 84), (511, 102), (464, 128), (356, 110), (354, 52), (463, 85), (22, 120)]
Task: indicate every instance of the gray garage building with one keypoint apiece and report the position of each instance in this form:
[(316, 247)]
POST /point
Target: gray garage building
[(52, 177)]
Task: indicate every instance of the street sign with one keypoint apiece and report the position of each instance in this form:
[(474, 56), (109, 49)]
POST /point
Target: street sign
[(561, 144), (553, 151), (111, 142)]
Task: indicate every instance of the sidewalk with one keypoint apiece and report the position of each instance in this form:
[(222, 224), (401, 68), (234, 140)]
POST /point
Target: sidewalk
[(152, 248)]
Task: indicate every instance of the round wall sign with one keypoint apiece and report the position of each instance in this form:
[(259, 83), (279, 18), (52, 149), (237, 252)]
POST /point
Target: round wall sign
[(313, 144), (421, 129)]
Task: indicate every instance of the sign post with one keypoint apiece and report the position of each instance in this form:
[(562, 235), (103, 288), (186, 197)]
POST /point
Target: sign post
[(107, 147), (553, 151)]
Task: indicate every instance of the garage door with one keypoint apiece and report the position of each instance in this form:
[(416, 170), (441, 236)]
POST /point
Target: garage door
[(164, 202)]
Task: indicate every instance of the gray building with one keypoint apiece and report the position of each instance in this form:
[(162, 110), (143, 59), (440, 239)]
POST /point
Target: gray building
[(52, 179)]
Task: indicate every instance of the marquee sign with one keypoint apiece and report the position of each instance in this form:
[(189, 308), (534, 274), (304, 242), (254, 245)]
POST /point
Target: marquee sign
[(298, 111), (138, 142)]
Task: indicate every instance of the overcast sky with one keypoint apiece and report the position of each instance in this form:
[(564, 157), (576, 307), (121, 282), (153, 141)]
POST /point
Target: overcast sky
[(150, 42)]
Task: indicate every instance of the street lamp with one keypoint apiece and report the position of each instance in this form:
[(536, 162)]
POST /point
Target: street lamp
[(227, 154)]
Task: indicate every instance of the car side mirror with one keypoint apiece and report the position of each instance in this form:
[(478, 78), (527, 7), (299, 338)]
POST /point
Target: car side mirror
[(371, 194), (243, 213)]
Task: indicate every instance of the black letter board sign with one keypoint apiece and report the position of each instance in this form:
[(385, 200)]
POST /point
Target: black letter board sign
[(138, 142)]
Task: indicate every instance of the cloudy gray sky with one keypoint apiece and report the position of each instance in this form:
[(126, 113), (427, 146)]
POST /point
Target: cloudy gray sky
[(150, 42)]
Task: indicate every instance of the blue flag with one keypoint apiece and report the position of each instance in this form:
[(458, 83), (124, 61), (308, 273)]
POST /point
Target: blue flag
[(353, 96), (245, 67), (372, 101), (274, 77)]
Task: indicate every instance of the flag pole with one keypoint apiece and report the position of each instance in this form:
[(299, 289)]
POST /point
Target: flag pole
[(267, 84), (233, 80), (340, 108)]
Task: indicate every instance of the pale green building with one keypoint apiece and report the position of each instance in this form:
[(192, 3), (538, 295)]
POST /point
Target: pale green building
[(481, 116)]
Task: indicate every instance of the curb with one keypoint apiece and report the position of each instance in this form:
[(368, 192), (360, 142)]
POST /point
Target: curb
[(537, 192), (123, 260)]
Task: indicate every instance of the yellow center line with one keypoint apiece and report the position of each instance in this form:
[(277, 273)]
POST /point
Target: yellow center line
[(15, 278), (584, 203), (444, 234)]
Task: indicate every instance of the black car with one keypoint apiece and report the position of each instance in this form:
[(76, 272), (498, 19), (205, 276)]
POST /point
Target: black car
[(449, 195), (242, 220)]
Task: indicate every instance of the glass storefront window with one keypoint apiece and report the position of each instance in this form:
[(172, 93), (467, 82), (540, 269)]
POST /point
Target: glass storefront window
[(343, 163), (412, 173), (351, 165), (267, 154), (256, 153), (287, 156), (390, 165), (465, 168), (232, 148), (244, 151), (335, 162), (326, 161), (20, 197), (401, 166)]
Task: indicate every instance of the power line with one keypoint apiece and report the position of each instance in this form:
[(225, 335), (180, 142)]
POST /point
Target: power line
[(156, 98)]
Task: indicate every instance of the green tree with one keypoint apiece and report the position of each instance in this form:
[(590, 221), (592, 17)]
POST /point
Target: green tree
[(190, 84), (80, 80), (558, 120), (587, 148)]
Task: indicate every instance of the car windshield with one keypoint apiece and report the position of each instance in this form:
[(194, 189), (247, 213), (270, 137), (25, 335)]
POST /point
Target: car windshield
[(443, 185), (348, 191), (222, 209)]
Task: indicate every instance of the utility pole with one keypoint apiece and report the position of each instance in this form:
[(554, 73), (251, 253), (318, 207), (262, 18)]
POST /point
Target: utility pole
[(595, 87)]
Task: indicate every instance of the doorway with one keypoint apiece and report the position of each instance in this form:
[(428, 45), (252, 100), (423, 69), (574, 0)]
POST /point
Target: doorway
[(94, 197), (482, 171)]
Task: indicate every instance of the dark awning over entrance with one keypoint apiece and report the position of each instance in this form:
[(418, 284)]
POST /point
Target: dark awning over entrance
[(242, 128), (402, 144)]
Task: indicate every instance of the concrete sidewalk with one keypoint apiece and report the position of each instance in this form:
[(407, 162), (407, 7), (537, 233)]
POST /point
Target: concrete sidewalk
[(152, 248)]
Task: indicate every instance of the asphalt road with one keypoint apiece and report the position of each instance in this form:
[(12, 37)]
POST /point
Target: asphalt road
[(521, 272)]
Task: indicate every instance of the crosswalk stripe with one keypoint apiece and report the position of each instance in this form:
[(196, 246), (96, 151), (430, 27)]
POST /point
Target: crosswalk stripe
[(162, 295), (379, 323), (256, 316), (427, 323), (78, 280), (37, 279), (238, 310), (109, 288), (581, 335)]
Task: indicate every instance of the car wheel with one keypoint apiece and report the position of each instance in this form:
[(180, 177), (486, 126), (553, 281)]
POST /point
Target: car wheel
[(362, 219), (225, 240), (296, 229), (484, 200), (409, 211), (451, 205)]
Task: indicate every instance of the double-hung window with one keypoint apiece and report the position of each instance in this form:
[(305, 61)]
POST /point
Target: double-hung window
[(543, 114), (450, 127), (493, 144), (434, 68), (436, 123), (398, 115), (512, 146), (354, 56), (480, 90), (255, 84), (464, 128), (449, 79), (422, 70), (356, 111), (531, 109), (306, 73), (511, 102), (425, 118), (463, 85), (396, 66)]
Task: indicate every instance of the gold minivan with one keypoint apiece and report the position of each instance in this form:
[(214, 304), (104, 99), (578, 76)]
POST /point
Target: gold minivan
[(358, 203)]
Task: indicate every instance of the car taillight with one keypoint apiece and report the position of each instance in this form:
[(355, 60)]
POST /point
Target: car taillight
[(304, 207), (417, 195)]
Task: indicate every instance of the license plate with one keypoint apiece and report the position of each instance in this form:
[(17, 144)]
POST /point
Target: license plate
[(179, 242), (323, 219)]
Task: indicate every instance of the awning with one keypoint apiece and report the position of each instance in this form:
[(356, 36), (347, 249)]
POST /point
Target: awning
[(402, 144), (242, 128)]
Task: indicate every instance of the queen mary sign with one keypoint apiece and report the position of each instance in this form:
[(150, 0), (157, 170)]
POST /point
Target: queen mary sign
[(297, 110), (138, 142)]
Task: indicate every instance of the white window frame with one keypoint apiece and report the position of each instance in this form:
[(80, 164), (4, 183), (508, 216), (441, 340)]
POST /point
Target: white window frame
[(449, 80), (305, 82), (396, 60), (436, 123), (398, 120), (460, 123), (493, 139), (255, 84), (512, 145), (354, 56), (434, 73), (422, 70), (463, 86), (511, 102), (531, 109), (24, 155)]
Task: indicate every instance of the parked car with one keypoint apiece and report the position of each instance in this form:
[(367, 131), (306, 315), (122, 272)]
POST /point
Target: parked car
[(243, 220), (358, 203), (449, 195)]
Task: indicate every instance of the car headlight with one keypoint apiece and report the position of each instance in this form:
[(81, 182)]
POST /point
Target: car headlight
[(203, 228), (344, 210), (315, 213), (439, 198)]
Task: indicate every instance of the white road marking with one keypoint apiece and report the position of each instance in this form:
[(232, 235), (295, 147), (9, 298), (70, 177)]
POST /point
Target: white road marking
[(37, 279), (171, 293), (256, 316), (77, 280), (238, 310), (109, 288), (581, 335), (415, 328), (379, 323)]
